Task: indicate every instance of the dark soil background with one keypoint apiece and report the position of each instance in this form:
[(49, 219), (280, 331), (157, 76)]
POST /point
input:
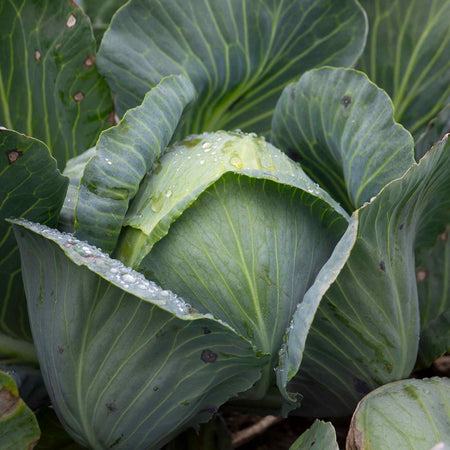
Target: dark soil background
[(283, 433)]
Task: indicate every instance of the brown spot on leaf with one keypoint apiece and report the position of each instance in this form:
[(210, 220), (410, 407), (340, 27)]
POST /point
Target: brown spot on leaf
[(389, 368), (37, 55), (74, 3), (111, 407), (112, 118), (33, 444), (293, 93), (355, 437), (89, 61), (60, 350), (421, 275), (382, 266), (71, 21), (8, 402), (13, 155), (346, 100), (78, 96), (160, 334), (193, 310), (444, 236), (208, 356)]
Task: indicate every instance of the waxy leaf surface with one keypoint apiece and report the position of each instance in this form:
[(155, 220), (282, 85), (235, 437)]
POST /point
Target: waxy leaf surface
[(125, 362), (122, 158), (235, 227), (366, 329), (239, 54), (341, 127)]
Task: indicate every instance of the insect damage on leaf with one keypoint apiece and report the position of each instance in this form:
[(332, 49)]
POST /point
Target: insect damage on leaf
[(78, 96), (208, 356), (421, 275), (71, 21), (346, 100), (13, 155), (89, 61)]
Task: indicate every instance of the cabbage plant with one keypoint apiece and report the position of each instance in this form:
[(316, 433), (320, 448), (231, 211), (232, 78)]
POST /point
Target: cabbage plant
[(259, 229)]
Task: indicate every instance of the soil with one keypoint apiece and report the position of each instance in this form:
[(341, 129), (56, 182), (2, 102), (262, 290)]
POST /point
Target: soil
[(282, 433)]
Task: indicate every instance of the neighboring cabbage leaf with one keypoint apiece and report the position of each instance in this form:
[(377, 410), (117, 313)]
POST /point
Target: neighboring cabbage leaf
[(408, 55), (365, 332), (32, 187), (321, 435), (49, 85), (405, 415), (239, 54), (126, 363), (341, 127), (433, 283), (18, 425), (100, 12)]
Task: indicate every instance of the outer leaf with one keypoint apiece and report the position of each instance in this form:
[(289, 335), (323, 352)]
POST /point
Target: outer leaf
[(340, 125), (49, 84), (31, 187), (435, 130), (228, 222), (100, 13), (18, 426), (406, 415), (433, 282), (408, 55), (238, 54), (123, 156), (320, 435), (366, 329), (125, 363)]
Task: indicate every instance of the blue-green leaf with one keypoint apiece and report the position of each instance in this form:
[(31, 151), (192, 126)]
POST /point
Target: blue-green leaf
[(123, 156), (239, 54), (126, 364), (365, 332), (406, 415), (341, 127)]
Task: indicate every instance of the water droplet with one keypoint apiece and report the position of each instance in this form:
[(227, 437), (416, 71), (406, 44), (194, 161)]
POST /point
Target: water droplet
[(157, 202), (169, 193), (235, 161), (206, 145), (128, 278), (202, 162)]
